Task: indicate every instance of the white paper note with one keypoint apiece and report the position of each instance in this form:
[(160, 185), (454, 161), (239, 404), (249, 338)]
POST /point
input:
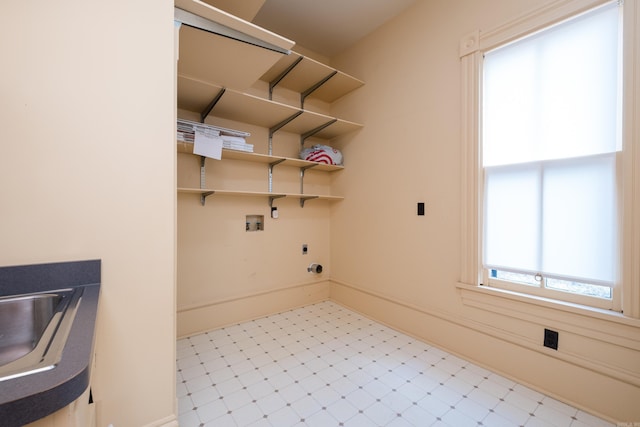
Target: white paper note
[(207, 144)]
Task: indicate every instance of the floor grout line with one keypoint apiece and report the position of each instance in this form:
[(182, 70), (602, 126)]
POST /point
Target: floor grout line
[(325, 365)]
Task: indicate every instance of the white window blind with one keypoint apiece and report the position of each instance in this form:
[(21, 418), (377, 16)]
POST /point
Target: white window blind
[(550, 131)]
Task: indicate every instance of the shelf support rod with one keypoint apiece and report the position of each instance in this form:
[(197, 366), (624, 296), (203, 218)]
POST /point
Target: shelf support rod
[(207, 110), (203, 173), (272, 198), (204, 195), (279, 126), (308, 92), (312, 132), (304, 199), (273, 83), (271, 165), (302, 171)]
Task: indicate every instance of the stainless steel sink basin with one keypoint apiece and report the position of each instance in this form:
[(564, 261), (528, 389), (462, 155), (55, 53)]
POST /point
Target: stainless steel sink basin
[(33, 330)]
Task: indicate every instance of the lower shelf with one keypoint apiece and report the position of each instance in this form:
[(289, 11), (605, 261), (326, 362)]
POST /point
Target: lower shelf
[(206, 192)]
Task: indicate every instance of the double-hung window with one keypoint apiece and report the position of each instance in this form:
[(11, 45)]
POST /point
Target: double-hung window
[(550, 135), (543, 176)]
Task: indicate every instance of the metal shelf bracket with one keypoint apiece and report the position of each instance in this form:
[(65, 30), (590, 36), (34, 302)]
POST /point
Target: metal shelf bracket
[(204, 195), (273, 83), (204, 113), (308, 92), (272, 198), (312, 132), (279, 126), (304, 199)]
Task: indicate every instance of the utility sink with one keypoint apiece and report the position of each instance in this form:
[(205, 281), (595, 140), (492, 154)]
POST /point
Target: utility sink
[(47, 333), (34, 329)]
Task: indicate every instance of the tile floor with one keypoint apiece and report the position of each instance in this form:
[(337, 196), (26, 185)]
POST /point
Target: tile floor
[(324, 365)]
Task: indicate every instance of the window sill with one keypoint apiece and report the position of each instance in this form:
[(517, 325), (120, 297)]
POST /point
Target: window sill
[(478, 295)]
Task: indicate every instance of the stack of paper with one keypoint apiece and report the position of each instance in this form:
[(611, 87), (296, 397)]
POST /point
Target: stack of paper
[(236, 143), (226, 138)]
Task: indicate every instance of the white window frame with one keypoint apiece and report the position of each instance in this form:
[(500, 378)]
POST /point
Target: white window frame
[(626, 293)]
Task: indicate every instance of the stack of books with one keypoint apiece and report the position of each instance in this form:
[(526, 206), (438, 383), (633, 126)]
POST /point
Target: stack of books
[(231, 139)]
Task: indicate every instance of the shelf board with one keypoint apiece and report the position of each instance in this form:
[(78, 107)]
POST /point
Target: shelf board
[(196, 95), (205, 192), (314, 165), (307, 73), (306, 121), (336, 87), (217, 59), (340, 127), (229, 192), (221, 17), (186, 147)]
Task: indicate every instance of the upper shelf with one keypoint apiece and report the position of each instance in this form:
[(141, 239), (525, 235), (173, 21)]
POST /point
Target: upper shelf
[(304, 73), (232, 22), (221, 48), (196, 95)]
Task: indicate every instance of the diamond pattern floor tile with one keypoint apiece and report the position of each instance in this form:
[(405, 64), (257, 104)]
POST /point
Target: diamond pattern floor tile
[(324, 365)]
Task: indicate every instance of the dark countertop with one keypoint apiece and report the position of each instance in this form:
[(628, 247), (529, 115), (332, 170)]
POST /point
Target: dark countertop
[(29, 398)]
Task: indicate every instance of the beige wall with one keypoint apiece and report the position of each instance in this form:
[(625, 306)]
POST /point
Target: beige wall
[(380, 257), (87, 171), (402, 269), (226, 274)]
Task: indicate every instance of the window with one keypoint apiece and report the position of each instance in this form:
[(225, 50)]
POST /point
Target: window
[(548, 193), (550, 131)]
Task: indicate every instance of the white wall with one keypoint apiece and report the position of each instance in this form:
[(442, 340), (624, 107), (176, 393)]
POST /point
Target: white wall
[(87, 171)]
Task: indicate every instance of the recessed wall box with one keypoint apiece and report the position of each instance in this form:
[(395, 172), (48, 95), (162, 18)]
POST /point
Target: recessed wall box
[(551, 339), (254, 223)]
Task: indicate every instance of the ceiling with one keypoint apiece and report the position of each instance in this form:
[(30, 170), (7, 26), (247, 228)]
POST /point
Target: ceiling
[(326, 27)]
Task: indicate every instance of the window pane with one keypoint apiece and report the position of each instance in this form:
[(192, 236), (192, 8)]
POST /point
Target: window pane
[(580, 288), (550, 124), (553, 95), (524, 279), (579, 219), (512, 217)]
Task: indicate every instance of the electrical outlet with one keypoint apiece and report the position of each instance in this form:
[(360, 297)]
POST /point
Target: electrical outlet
[(305, 249), (551, 339)]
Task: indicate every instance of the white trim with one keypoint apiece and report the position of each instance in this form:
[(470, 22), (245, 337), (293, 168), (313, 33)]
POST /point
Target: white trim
[(605, 329), (535, 20), (472, 47), (549, 293), (630, 234), (471, 191)]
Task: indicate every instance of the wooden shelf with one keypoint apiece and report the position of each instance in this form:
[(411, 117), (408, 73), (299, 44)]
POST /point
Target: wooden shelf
[(307, 73), (340, 127), (197, 95), (206, 192), (219, 16), (224, 60), (222, 56), (186, 147)]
